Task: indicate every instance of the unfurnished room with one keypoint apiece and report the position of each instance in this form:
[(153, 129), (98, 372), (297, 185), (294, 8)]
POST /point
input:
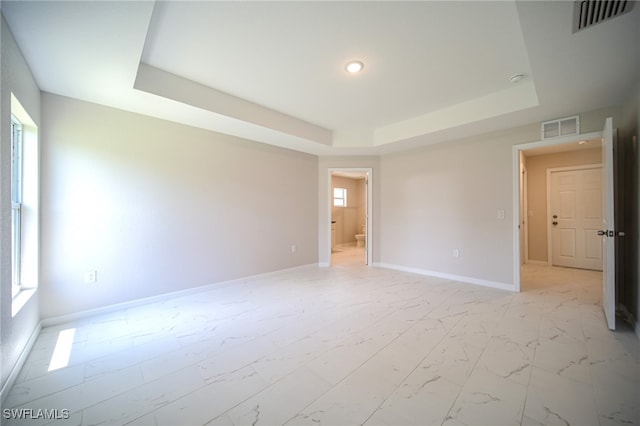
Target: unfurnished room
[(314, 212)]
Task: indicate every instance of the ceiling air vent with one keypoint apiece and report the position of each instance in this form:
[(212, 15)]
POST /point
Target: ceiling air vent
[(587, 13), (561, 127)]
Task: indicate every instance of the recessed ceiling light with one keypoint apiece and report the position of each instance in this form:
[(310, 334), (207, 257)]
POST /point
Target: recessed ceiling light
[(516, 78), (354, 67)]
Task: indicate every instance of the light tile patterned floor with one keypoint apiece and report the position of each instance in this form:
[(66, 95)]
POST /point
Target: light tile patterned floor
[(347, 345)]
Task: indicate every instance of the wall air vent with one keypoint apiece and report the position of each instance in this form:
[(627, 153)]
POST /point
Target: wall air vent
[(587, 13), (561, 127)]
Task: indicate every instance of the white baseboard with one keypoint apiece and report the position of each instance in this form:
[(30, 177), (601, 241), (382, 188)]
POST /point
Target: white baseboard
[(61, 319), (11, 379), (453, 277), (537, 262)]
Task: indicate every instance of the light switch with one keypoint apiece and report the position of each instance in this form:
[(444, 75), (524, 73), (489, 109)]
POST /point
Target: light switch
[(500, 214), (91, 277)]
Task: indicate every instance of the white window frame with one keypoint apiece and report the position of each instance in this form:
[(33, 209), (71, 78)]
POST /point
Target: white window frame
[(17, 154), (340, 197)]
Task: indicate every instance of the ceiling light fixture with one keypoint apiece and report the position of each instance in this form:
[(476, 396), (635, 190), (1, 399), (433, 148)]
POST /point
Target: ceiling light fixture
[(354, 67), (516, 78), (582, 143)]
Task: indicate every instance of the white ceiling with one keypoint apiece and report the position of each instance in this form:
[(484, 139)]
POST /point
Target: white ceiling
[(274, 71)]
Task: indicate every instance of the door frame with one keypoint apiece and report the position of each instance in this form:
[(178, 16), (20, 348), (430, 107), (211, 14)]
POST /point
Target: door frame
[(368, 211), (549, 226), (524, 209), (517, 149)]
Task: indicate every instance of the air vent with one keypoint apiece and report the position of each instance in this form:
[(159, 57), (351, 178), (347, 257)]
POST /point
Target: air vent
[(587, 13), (561, 127)]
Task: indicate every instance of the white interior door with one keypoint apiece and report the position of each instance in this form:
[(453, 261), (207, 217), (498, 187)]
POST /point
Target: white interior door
[(576, 218), (608, 232)]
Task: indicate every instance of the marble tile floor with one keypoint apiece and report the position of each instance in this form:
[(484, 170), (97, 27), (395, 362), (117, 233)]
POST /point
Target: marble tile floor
[(346, 346)]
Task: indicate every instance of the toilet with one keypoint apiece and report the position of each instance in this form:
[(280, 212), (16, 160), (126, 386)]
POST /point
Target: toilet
[(361, 238)]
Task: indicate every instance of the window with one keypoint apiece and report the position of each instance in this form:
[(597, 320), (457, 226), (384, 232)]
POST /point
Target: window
[(25, 202), (16, 204), (340, 197)]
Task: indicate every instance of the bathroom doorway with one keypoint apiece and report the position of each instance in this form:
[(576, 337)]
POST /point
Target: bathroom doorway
[(349, 213)]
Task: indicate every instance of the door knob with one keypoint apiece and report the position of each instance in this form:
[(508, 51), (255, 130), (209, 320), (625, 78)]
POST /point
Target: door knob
[(607, 233), (555, 223), (555, 216)]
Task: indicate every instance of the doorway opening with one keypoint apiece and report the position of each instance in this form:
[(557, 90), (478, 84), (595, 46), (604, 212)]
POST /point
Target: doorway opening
[(531, 162), (523, 215), (350, 215)]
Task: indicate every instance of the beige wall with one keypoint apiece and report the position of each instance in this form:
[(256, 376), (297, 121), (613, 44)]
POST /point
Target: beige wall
[(350, 219), (446, 197), (157, 207), (361, 214), (537, 193), (16, 78)]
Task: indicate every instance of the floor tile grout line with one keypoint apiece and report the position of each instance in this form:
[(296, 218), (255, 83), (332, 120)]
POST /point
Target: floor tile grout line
[(247, 365), (447, 416), (533, 357), (344, 378), (540, 303), (418, 364), (164, 354)]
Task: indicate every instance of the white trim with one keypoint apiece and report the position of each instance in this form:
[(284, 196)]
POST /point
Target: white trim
[(62, 319), (452, 277), (548, 189), (21, 299), (516, 188), (15, 371), (517, 215), (368, 213), (537, 262), (525, 205)]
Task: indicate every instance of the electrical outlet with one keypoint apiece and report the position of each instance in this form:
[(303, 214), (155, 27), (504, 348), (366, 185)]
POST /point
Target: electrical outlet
[(91, 277), (456, 253), (293, 248)]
